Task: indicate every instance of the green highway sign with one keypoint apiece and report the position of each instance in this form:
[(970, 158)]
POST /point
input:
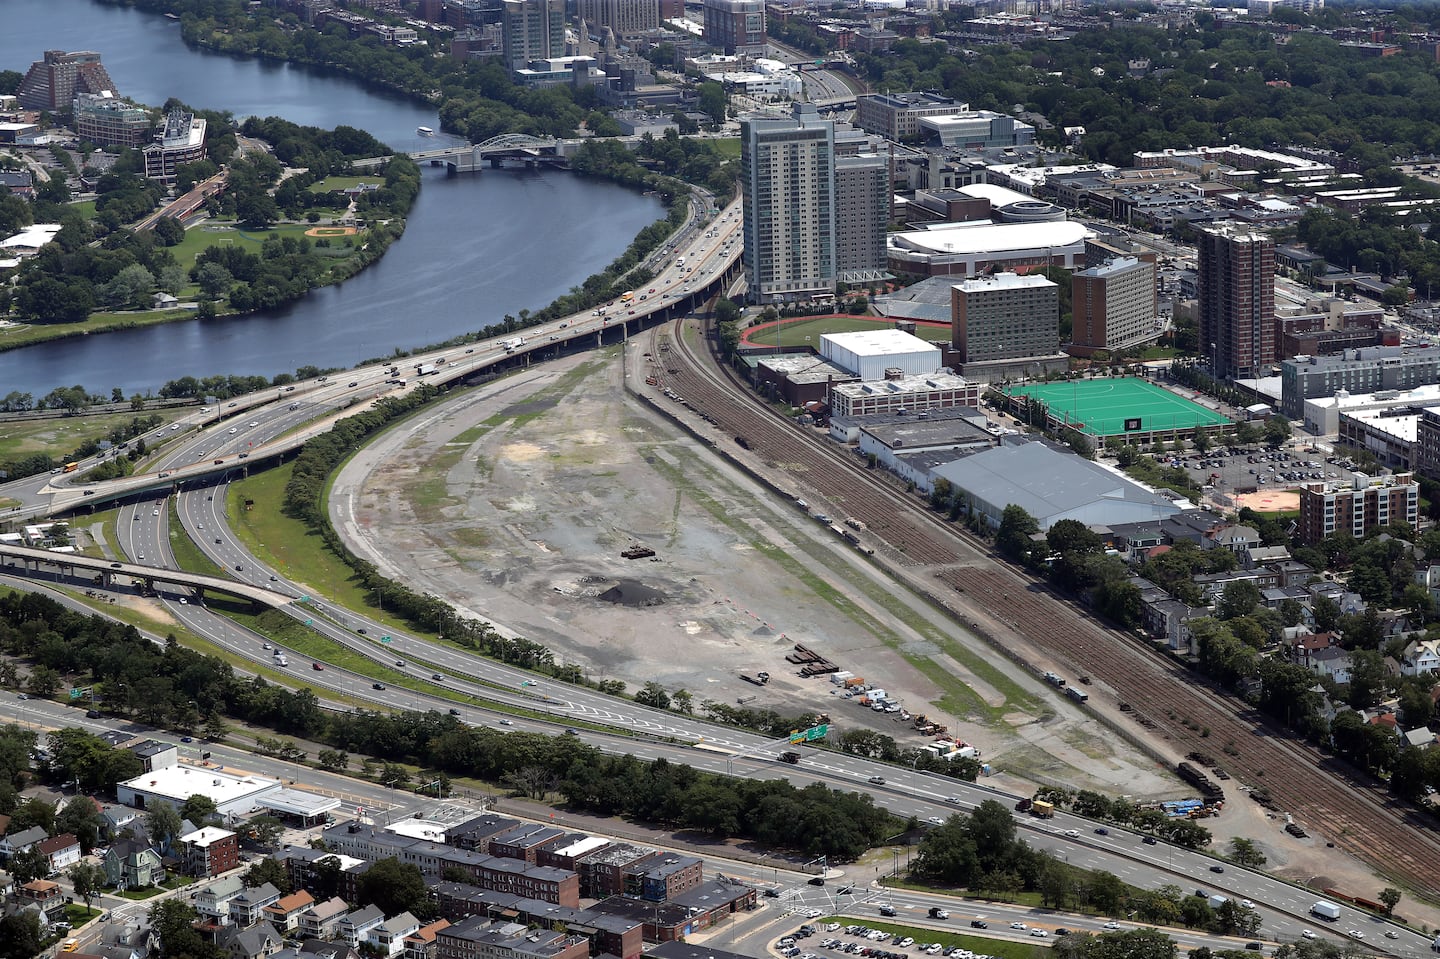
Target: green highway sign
[(76, 692), (810, 735)]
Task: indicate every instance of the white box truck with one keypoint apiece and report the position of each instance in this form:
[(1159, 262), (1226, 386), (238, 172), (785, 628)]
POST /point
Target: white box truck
[(1325, 910)]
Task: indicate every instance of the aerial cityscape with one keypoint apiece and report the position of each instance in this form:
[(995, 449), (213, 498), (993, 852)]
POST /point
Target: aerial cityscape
[(529, 479)]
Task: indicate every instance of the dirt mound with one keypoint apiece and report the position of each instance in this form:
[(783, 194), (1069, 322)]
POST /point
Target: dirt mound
[(762, 631), (629, 592)]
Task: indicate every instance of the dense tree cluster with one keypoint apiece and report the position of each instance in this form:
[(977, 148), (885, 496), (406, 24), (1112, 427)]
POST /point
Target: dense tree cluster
[(179, 688)]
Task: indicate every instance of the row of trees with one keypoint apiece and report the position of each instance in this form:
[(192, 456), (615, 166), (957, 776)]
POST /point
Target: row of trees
[(163, 686)]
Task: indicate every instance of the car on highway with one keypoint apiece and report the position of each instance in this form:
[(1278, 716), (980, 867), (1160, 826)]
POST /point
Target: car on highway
[(238, 566), (571, 731), (979, 924), (1246, 903), (353, 383), (1111, 926), (877, 780), (361, 630), (1072, 833), (1308, 933), (1150, 841), (1040, 933), (953, 800), (1217, 868), (234, 429), (1391, 934), (454, 711), (1355, 934), (377, 685), (437, 677), (318, 667), (1101, 831), (1018, 925), (506, 722), (253, 423), (1254, 946), (400, 663), (935, 821), (116, 565)]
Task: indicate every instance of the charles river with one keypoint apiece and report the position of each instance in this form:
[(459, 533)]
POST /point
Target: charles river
[(477, 246)]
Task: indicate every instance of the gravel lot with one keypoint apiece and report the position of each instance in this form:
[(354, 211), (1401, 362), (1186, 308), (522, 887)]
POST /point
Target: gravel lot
[(516, 503)]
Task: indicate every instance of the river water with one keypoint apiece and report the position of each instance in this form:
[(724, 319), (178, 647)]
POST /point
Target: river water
[(476, 246)]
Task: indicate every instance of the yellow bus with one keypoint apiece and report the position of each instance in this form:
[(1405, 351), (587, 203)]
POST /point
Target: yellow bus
[(71, 467), (627, 297)]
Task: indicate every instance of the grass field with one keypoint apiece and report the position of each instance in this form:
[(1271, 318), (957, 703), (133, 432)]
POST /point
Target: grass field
[(216, 233), (804, 332), (343, 182), (290, 547), (60, 437), (1101, 407)]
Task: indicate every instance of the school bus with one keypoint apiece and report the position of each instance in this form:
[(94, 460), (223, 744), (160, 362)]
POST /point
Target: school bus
[(71, 467), (627, 297)]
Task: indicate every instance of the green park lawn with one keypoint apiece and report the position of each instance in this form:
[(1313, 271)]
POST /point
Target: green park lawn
[(213, 233), (801, 333), (343, 182)]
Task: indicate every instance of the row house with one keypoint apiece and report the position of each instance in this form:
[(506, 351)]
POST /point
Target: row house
[(322, 919), (355, 927), (248, 907), (1421, 656), (524, 842), (301, 864), (420, 944), (432, 858), (609, 934), (11, 843), (479, 938), (60, 852), (388, 939), (284, 914), (213, 902)]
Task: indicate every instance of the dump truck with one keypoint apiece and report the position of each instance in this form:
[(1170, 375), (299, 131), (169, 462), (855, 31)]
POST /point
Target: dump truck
[(758, 679)]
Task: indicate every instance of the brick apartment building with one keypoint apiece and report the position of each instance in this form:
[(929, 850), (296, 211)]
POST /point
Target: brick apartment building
[(1365, 503)]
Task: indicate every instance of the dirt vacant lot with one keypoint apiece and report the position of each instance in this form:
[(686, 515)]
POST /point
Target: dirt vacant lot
[(516, 501)]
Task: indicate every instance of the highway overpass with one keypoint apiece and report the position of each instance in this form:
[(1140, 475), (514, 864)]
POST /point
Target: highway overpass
[(106, 570)]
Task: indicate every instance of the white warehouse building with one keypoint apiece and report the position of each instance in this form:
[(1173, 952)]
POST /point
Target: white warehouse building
[(869, 353), (232, 794)]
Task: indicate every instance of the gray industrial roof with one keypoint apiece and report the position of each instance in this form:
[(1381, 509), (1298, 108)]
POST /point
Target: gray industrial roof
[(1051, 484)]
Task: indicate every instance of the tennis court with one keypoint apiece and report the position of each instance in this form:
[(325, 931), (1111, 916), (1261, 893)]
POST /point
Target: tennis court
[(1112, 407)]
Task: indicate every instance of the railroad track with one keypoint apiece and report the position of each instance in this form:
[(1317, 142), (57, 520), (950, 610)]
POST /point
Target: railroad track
[(1169, 701)]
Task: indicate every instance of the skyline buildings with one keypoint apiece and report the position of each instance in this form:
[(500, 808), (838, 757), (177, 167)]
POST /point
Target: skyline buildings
[(52, 82), (1235, 285), (787, 175), (532, 30), (623, 17)]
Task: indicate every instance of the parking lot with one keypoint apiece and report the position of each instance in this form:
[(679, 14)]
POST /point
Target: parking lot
[(1244, 469)]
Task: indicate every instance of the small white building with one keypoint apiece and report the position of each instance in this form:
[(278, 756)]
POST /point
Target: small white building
[(233, 795), (869, 354)]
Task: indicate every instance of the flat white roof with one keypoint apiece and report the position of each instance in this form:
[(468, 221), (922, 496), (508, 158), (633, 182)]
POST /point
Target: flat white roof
[(426, 829), (1427, 395), (1405, 428), (36, 235), (905, 384), (997, 195), (879, 342), (588, 844), (179, 783), (297, 802), (992, 238), (206, 836), (1004, 281)]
